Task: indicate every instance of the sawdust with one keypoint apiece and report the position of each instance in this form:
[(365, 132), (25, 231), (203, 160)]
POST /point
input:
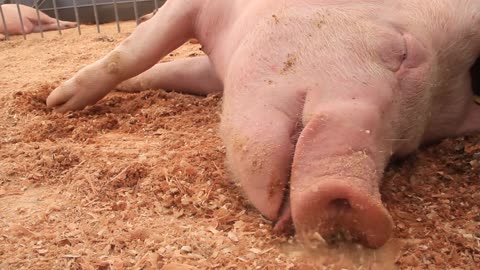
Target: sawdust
[(138, 181)]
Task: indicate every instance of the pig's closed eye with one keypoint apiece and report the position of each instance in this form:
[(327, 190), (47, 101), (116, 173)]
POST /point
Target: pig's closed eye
[(414, 52), (403, 59), (405, 49), (393, 52)]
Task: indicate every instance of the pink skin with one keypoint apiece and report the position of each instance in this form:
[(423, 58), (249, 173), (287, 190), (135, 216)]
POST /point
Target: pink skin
[(318, 94), (30, 21)]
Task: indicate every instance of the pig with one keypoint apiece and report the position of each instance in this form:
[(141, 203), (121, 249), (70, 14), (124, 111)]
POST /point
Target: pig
[(318, 95), (31, 24)]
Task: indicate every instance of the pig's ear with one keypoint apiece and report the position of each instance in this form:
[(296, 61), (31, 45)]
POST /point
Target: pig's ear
[(257, 127)]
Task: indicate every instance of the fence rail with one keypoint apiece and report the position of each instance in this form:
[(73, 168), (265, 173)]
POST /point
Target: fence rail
[(81, 12)]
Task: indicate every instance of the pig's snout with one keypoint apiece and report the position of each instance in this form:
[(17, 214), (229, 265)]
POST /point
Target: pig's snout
[(336, 172), (341, 208)]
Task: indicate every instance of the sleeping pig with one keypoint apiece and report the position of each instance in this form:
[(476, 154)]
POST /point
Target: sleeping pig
[(318, 95), (31, 23)]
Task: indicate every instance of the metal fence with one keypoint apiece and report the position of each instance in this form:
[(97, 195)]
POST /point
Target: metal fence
[(83, 12)]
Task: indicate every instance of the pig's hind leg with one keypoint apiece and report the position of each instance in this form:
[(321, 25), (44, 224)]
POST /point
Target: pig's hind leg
[(52, 26), (172, 26), (190, 75), (49, 23), (45, 27)]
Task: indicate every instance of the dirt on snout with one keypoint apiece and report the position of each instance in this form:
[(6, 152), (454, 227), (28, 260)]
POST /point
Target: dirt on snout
[(138, 181)]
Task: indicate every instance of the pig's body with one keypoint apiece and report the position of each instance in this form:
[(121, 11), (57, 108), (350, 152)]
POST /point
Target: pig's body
[(31, 23), (318, 95)]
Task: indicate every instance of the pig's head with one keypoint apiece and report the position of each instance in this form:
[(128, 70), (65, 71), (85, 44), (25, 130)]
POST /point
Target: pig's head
[(332, 96), (318, 95)]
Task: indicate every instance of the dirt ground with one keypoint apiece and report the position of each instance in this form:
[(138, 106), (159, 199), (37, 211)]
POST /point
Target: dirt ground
[(138, 182)]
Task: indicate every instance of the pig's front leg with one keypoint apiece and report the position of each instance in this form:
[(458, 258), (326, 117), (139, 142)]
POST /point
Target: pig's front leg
[(191, 75), (172, 26)]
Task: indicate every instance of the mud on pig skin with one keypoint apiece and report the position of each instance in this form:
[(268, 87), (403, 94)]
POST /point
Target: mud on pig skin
[(318, 95), (31, 23)]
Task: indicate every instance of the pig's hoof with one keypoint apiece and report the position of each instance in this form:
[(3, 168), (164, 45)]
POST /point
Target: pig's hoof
[(2, 37), (67, 24), (340, 208)]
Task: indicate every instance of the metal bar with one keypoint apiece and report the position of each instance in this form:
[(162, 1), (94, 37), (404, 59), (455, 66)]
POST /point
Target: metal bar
[(40, 2), (115, 8), (38, 18), (56, 15), (155, 4), (87, 5), (135, 11), (77, 17), (95, 13), (5, 30), (21, 20)]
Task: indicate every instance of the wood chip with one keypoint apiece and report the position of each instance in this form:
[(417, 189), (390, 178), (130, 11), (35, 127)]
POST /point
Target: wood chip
[(232, 236), (186, 249), (71, 256), (178, 266)]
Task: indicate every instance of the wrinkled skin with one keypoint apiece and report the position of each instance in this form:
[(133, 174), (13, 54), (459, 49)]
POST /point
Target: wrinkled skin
[(319, 95), (31, 23)]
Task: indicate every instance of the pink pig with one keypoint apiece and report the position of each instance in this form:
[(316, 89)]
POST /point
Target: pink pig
[(319, 95), (30, 21)]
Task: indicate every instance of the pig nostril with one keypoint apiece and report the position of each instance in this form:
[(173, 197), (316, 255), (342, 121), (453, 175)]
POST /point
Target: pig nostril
[(341, 205)]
